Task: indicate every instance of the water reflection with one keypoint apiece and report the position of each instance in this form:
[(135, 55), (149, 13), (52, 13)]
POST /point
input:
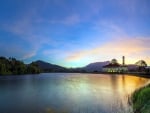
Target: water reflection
[(72, 93)]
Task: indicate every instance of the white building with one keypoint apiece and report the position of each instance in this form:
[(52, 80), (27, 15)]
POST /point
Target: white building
[(115, 67)]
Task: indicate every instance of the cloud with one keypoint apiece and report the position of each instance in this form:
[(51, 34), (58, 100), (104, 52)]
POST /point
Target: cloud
[(28, 55), (24, 30), (95, 6), (17, 51), (69, 20), (109, 27), (134, 7), (118, 47), (130, 6), (19, 27)]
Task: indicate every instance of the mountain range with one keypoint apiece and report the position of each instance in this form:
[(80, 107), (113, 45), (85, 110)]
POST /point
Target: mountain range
[(92, 67), (48, 67), (95, 67)]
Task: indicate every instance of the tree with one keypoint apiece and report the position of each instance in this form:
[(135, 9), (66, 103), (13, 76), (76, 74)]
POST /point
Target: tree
[(141, 65), (33, 68), (13, 66)]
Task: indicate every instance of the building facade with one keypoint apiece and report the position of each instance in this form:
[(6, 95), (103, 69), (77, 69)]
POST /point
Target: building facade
[(115, 67)]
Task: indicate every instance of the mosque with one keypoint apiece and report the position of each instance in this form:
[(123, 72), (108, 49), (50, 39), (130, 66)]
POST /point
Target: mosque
[(115, 67)]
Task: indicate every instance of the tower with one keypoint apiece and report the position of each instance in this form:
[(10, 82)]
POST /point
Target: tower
[(123, 60)]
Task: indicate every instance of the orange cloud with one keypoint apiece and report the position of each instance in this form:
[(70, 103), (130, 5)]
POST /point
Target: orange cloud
[(133, 48)]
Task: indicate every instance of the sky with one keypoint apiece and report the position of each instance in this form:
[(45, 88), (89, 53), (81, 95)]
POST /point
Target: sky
[(74, 33)]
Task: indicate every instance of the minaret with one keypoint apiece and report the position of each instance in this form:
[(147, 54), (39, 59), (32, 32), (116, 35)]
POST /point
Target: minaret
[(123, 60)]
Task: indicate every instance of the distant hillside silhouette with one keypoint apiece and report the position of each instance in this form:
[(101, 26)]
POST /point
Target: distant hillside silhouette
[(11, 66), (92, 67), (95, 67), (48, 67)]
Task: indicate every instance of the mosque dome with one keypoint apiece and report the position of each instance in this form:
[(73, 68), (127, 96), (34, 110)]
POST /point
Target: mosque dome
[(114, 61)]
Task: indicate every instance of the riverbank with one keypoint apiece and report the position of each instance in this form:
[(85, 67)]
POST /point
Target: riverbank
[(141, 100), (144, 75), (139, 74)]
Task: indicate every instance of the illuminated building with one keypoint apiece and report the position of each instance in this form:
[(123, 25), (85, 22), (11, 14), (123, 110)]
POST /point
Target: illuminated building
[(115, 67)]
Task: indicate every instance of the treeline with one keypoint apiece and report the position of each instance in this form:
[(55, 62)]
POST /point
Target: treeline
[(11, 66)]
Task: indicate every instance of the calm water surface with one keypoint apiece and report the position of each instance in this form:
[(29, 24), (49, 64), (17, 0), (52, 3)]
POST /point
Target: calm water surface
[(67, 93)]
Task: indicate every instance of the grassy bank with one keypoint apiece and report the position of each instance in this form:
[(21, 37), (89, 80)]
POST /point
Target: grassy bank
[(141, 100)]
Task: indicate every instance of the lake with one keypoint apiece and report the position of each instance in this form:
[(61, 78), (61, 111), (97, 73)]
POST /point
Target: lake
[(68, 93)]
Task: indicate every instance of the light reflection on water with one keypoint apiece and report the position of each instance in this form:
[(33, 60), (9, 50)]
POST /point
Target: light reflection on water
[(70, 93)]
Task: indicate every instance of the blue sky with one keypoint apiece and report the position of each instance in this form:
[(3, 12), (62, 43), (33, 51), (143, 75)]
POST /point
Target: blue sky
[(73, 33)]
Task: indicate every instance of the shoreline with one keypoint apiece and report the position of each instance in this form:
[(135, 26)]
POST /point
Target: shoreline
[(140, 100), (145, 75), (139, 74)]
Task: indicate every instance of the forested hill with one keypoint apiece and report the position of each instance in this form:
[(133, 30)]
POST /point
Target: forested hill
[(48, 67), (9, 66), (12, 66)]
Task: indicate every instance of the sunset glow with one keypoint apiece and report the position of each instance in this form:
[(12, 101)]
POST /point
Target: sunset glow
[(77, 32)]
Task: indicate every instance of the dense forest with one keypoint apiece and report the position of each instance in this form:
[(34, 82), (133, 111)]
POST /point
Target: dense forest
[(9, 66)]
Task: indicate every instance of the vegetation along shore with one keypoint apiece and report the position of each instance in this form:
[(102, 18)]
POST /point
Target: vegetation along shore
[(11, 66), (141, 100)]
